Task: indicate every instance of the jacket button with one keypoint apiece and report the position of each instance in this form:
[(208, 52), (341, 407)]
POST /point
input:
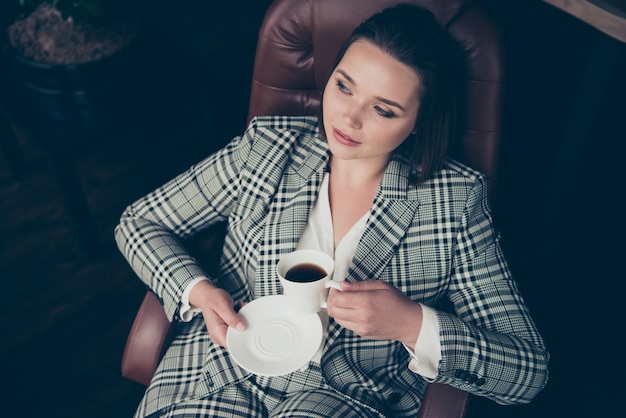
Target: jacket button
[(461, 374), (394, 398)]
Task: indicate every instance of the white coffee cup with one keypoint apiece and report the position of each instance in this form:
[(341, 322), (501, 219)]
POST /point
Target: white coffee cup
[(306, 277)]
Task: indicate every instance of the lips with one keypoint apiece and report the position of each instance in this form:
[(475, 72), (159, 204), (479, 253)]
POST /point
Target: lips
[(344, 139)]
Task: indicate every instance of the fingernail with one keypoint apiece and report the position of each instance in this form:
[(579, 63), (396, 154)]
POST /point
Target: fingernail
[(241, 326)]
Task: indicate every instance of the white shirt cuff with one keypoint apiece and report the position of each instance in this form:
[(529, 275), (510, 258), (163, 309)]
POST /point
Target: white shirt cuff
[(187, 311), (426, 354)]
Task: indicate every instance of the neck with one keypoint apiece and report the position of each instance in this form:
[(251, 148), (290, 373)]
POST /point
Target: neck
[(357, 172)]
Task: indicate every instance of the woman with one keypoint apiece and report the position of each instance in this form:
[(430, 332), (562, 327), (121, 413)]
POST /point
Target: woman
[(368, 183)]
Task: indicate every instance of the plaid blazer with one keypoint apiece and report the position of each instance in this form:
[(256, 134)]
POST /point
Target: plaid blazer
[(435, 242)]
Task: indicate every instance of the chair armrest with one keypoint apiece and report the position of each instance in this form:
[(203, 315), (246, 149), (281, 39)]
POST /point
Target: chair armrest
[(443, 401), (146, 341)]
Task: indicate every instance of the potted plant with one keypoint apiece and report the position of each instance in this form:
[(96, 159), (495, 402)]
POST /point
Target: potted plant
[(72, 75), (71, 31), (71, 55)]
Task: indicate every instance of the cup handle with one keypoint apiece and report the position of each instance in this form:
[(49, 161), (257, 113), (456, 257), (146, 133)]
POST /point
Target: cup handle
[(334, 285)]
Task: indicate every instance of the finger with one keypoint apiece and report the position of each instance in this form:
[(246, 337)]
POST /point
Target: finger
[(355, 325), (366, 285), (346, 306), (216, 328), (219, 336), (356, 297), (231, 319)]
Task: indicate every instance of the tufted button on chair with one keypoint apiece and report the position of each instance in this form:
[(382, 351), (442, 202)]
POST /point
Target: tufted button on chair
[(297, 45)]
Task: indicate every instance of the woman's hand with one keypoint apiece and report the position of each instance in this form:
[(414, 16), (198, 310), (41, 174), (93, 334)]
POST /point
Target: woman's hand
[(218, 310), (376, 310)]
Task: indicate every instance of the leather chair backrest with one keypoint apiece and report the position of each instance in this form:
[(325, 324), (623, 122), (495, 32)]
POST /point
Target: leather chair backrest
[(299, 40)]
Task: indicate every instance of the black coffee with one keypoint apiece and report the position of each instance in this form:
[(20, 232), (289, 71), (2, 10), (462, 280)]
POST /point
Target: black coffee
[(305, 272)]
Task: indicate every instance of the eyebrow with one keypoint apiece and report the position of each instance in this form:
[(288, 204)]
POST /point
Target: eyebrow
[(382, 99)]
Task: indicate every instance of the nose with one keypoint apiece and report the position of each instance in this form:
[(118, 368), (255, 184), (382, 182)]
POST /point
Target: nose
[(353, 115)]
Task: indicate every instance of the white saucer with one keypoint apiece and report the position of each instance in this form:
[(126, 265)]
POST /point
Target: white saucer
[(277, 340)]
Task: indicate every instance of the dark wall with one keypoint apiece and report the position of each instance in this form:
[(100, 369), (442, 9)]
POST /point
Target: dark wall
[(564, 239)]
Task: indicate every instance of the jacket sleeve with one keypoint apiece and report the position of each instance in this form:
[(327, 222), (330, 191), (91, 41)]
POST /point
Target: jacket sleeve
[(491, 347), (150, 230)]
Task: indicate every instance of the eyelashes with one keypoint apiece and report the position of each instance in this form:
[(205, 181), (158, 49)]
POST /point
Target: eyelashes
[(384, 113), (342, 87), (379, 110)]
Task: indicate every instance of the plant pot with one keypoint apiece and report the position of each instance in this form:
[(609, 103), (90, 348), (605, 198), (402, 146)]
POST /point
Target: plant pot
[(80, 101), (68, 104)]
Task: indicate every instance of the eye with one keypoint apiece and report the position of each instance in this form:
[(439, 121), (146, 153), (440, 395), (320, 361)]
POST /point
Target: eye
[(342, 87), (384, 113)]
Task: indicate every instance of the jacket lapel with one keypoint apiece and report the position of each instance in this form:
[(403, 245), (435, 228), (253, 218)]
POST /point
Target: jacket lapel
[(289, 211), (392, 212)]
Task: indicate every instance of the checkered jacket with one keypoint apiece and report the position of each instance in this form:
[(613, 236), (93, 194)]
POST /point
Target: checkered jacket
[(435, 242)]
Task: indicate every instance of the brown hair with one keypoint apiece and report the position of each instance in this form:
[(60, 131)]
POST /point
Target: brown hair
[(411, 35)]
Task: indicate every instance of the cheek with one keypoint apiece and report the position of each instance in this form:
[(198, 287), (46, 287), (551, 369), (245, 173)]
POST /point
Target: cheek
[(403, 132), (393, 138)]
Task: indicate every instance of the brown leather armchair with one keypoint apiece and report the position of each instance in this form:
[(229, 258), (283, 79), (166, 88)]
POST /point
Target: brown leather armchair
[(297, 44)]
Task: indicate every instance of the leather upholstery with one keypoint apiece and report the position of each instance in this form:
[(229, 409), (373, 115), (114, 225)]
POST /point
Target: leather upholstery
[(146, 341), (297, 45), (298, 42)]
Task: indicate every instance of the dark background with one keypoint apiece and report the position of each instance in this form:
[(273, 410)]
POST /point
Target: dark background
[(65, 315)]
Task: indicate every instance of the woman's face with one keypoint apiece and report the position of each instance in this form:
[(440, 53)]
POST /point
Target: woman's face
[(370, 104)]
